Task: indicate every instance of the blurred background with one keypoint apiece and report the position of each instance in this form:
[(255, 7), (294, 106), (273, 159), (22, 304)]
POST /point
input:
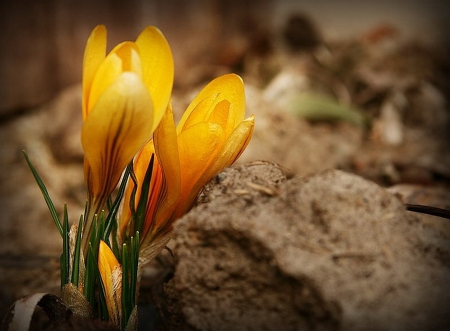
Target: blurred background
[(42, 42), (356, 85)]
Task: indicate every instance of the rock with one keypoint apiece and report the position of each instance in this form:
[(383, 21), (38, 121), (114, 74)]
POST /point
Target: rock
[(330, 251)]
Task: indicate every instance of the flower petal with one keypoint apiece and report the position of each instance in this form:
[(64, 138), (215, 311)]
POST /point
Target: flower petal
[(221, 157), (157, 68), (115, 130), (198, 146), (140, 165), (228, 87), (123, 58), (220, 115), (234, 146), (201, 113), (111, 275), (166, 147), (94, 54)]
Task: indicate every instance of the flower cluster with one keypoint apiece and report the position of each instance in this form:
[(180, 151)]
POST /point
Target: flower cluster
[(142, 171)]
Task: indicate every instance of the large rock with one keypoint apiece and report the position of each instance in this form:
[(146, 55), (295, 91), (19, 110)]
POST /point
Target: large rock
[(330, 251)]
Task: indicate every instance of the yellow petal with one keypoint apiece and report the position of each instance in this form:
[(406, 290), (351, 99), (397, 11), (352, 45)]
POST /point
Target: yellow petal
[(124, 57), (166, 147), (111, 275), (221, 157), (140, 165), (201, 113), (94, 54), (115, 130), (228, 87), (234, 146), (220, 115), (198, 146), (157, 68)]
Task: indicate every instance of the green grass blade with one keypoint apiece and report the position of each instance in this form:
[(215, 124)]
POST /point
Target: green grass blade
[(145, 190), (91, 266), (62, 267), (66, 248), (104, 315), (115, 243), (111, 219), (89, 279), (125, 285), (76, 257), (44, 191), (134, 267)]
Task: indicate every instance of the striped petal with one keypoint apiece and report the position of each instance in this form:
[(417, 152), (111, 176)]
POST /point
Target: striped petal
[(166, 148), (157, 68), (140, 164), (115, 130)]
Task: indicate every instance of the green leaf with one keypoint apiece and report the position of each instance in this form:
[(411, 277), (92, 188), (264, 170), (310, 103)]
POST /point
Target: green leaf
[(104, 315), (44, 191), (76, 257), (62, 268), (111, 218), (125, 285), (130, 260), (115, 243), (145, 190), (90, 276), (66, 249), (134, 267)]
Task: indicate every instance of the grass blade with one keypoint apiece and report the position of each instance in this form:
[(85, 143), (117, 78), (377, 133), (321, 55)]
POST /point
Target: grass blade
[(111, 218), (76, 257), (142, 205), (44, 191), (134, 267), (125, 285), (66, 249)]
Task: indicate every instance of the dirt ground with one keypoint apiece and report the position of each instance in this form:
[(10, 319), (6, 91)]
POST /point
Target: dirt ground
[(308, 231)]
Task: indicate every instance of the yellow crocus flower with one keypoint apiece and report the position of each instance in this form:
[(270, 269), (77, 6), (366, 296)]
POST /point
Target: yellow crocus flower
[(125, 94), (210, 136), (111, 276)]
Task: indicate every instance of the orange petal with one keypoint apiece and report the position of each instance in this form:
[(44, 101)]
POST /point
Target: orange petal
[(140, 165), (166, 147)]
